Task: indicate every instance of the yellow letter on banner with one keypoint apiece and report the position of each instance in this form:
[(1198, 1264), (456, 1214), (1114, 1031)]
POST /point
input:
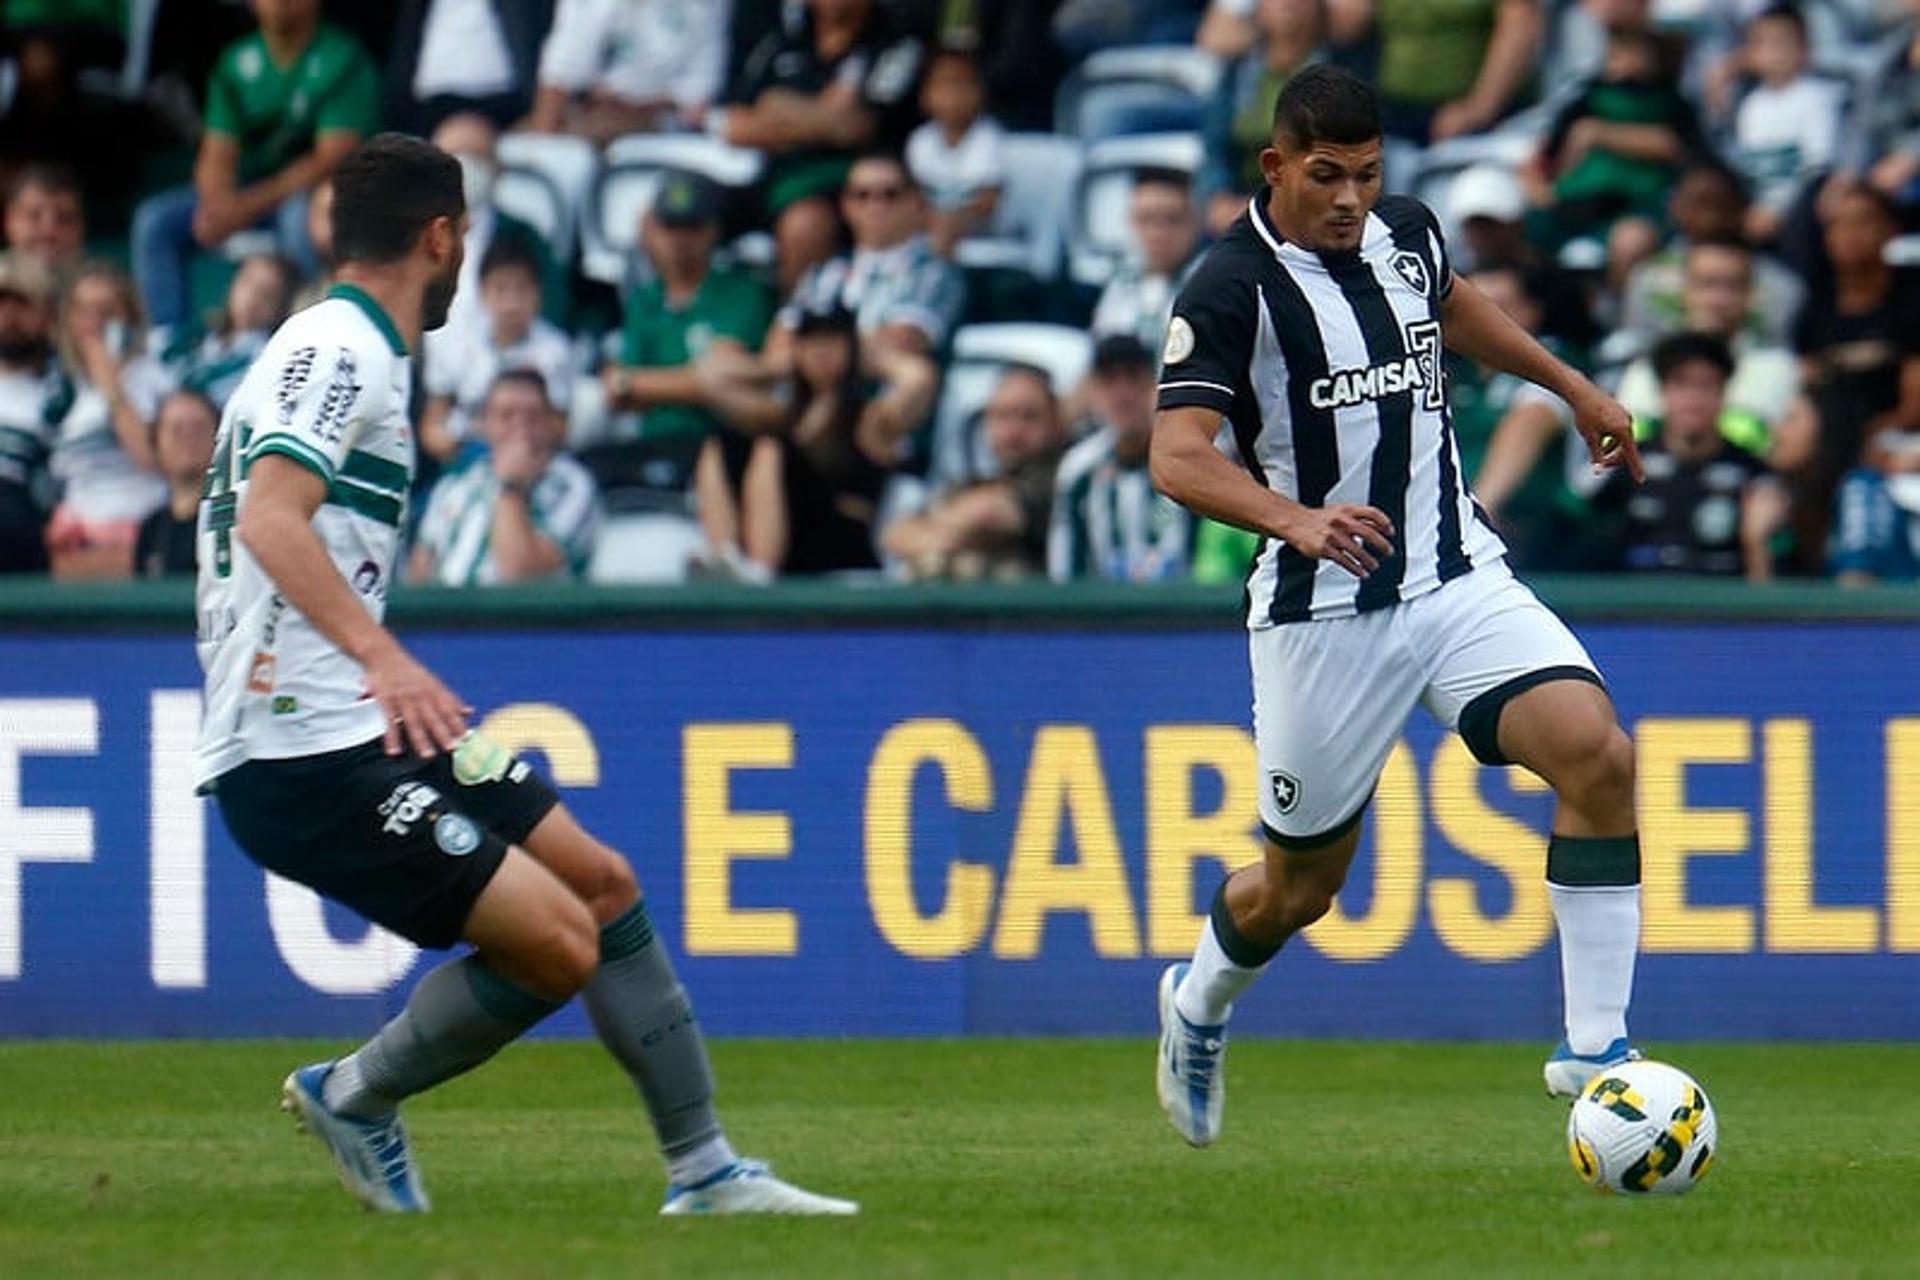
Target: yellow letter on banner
[(1396, 872), (1064, 780), (1177, 837), (572, 759), (1903, 835), (716, 835), (1504, 843), (1670, 833), (1794, 922), (961, 922)]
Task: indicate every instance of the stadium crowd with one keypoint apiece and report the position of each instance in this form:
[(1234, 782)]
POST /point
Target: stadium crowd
[(784, 287)]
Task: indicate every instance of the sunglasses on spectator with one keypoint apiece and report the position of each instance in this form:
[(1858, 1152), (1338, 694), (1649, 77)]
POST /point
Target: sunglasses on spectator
[(886, 195)]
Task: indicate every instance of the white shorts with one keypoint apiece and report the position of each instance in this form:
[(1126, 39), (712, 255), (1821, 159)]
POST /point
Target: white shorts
[(1330, 698)]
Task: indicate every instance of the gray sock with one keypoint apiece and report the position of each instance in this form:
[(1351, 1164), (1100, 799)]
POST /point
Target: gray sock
[(643, 1016), (458, 1016)]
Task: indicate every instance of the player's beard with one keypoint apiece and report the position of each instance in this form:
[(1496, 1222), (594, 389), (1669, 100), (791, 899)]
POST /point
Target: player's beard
[(439, 298)]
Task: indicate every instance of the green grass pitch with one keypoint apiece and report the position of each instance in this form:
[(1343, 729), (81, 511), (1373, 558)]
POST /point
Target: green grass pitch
[(983, 1157)]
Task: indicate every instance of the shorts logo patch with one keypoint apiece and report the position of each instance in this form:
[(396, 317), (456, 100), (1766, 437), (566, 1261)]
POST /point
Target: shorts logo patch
[(405, 806), (478, 759), (456, 835), (1286, 790), (1179, 341)]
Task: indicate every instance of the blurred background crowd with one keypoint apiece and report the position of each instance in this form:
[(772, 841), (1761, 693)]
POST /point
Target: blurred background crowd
[(877, 287)]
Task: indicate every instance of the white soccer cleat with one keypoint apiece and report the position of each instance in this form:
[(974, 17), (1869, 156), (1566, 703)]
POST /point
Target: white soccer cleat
[(748, 1186), (1189, 1076), (372, 1157), (1568, 1073)]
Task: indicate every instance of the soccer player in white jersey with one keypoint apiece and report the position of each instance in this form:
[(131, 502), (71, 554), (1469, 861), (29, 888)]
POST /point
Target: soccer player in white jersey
[(1315, 328), (340, 762)]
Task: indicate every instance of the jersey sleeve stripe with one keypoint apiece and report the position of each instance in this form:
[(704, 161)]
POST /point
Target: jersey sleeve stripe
[(365, 502), (300, 451), (1196, 395), (375, 472)]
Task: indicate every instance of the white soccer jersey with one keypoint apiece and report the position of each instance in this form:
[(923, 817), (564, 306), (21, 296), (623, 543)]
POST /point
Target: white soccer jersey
[(330, 392), (1328, 367)]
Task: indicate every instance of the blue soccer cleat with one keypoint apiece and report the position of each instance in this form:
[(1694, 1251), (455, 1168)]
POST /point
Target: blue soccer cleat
[(1188, 1076), (748, 1186), (372, 1157), (1568, 1072)]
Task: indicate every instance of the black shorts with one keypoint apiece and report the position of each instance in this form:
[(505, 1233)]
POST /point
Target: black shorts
[(408, 843)]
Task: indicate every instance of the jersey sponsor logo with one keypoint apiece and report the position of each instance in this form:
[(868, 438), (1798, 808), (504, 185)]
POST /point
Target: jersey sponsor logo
[(1286, 790), (294, 376), (1180, 341), (456, 834), (285, 705), (336, 405), (1355, 386), (1411, 268), (260, 673), (406, 805), (366, 579)]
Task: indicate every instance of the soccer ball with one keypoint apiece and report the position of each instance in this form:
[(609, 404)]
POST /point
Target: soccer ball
[(1642, 1128)]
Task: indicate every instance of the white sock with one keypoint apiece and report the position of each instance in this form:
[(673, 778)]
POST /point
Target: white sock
[(701, 1163), (1206, 995), (1599, 939)]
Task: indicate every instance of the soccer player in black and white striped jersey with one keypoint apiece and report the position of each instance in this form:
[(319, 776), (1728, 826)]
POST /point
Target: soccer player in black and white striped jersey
[(1316, 328)]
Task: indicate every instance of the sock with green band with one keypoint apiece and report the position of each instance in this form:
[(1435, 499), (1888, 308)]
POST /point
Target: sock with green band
[(643, 1017), (1595, 885), (457, 1017)]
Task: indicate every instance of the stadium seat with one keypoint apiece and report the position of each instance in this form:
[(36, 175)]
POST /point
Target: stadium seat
[(979, 353), (129, 81), (567, 165), (645, 546), (1100, 234), (1142, 87), (627, 183), (1031, 225)]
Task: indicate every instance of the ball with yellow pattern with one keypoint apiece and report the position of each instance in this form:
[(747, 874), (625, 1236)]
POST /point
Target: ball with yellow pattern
[(1643, 1128)]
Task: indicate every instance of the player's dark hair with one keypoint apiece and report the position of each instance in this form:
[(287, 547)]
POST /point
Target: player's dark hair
[(387, 192), (1326, 104), (521, 377), (1161, 176), (1681, 349), (510, 253), (1788, 13), (48, 176)]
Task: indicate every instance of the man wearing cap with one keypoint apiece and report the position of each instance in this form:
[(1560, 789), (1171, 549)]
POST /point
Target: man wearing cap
[(1108, 522), (1487, 210), (692, 313), (26, 369)]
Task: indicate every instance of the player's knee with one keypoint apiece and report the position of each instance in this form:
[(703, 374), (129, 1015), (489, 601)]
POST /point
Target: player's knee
[(567, 954), (610, 888), (1614, 765), (1293, 903), (1600, 769)]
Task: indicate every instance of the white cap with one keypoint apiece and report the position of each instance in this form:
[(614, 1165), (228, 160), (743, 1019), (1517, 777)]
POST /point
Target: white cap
[(1486, 191)]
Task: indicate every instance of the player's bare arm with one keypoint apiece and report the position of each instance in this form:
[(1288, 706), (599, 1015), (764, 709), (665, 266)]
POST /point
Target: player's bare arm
[(276, 527), (1477, 328), (1187, 468)]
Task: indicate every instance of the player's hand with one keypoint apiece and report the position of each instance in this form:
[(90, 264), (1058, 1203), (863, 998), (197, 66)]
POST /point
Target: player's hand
[(1348, 535), (421, 712), (1607, 428)]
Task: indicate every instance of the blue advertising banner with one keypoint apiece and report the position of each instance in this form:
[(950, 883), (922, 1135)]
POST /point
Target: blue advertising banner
[(927, 832)]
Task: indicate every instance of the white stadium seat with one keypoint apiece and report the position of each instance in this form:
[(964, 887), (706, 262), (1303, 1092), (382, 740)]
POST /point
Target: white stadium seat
[(567, 165), (1111, 82), (980, 352), (630, 177), (1030, 226), (1102, 236)]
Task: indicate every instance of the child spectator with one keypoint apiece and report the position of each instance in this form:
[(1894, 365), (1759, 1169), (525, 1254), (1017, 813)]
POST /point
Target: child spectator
[(46, 217), (285, 105), (460, 376), (103, 426), (808, 494), (1708, 506), (956, 155), (183, 447), (1787, 128), (26, 378), (524, 511), (258, 299), (1613, 150), (1108, 522)]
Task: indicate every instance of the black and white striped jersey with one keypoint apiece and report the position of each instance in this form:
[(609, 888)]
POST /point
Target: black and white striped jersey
[(1328, 366)]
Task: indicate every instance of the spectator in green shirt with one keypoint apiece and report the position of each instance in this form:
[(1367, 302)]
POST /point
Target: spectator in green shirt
[(1448, 67), (690, 315), (285, 105)]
